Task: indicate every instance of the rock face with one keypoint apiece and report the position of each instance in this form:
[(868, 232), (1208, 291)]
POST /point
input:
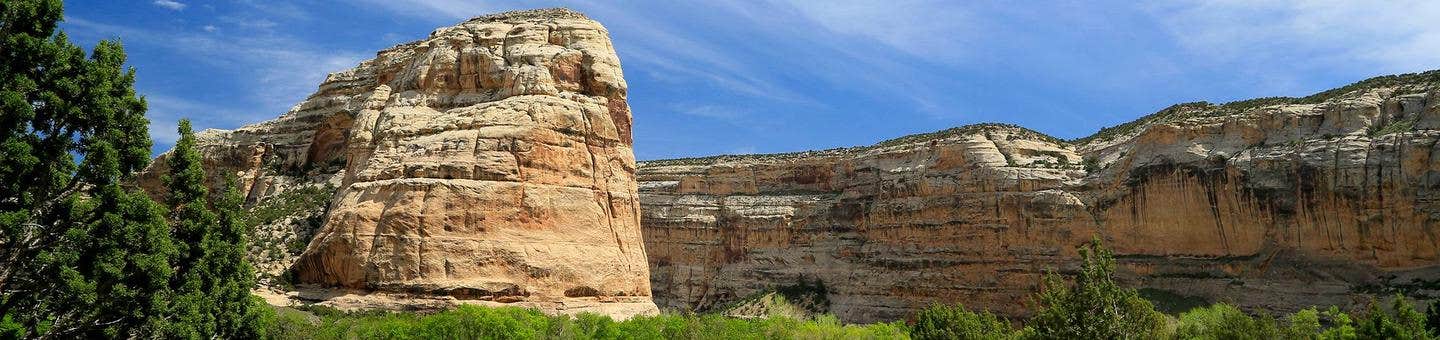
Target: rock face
[(1272, 204), (489, 162)]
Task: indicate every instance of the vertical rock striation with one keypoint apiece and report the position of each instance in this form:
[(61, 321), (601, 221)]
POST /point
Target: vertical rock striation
[(1271, 204), (488, 162)]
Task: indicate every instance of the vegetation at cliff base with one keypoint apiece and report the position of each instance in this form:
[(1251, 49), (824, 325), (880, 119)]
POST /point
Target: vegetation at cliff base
[(1087, 305), (474, 322)]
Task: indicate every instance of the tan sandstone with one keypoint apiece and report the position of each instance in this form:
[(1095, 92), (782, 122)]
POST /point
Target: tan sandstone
[(1270, 207), (488, 163)]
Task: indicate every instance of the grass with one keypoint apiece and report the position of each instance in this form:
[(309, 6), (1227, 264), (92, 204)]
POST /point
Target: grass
[(475, 322)]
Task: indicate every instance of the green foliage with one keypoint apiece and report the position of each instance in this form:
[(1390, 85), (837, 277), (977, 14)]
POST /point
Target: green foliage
[(1091, 164), (1432, 317), (213, 279), (80, 255), (1170, 302), (1223, 321), (1166, 114), (475, 322), (1428, 79), (1095, 307), (802, 300), (1401, 322), (289, 203), (1402, 125), (954, 322), (1341, 326), (915, 138)]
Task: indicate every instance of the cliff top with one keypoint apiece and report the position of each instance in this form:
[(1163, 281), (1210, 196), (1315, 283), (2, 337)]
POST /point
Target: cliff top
[(902, 140), (1427, 79), (531, 14), (1206, 109)]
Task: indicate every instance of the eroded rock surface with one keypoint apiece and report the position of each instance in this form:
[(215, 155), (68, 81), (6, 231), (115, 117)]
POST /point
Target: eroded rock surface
[(488, 162), (1273, 204)]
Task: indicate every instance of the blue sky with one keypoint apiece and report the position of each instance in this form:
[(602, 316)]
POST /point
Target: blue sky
[(717, 77)]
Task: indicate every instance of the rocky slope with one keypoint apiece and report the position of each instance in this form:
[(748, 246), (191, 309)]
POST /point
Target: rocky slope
[(489, 163), (1270, 204)]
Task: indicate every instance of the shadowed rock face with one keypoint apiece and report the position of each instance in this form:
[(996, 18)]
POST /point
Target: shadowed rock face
[(1271, 207), (490, 161)]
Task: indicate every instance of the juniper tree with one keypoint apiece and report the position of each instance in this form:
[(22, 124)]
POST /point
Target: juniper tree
[(80, 254), (192, 220), (1095, 306), (213, 280)]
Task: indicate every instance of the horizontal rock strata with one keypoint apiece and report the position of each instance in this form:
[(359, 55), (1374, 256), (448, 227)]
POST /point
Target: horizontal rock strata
[(1272, 205), (488, 162)]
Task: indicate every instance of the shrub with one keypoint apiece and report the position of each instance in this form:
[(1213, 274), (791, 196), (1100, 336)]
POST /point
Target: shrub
[(1404, 323), (1095, 307), (1432, 317), (1223, 321), (954, 322), (1091, 164)]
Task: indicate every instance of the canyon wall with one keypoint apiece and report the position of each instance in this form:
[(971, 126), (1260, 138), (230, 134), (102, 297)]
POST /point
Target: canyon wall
[(1271, 204), (490, 162)]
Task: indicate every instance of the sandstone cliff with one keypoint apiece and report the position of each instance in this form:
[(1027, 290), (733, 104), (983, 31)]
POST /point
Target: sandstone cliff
[(490, 162), (1271, 204)]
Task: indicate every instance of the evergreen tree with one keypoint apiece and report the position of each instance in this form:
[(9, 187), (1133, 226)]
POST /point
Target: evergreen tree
[(213, 278), (1432, 317), (193, 221), (955, 322), (80, 255), (1095, 307), (1405, 323)]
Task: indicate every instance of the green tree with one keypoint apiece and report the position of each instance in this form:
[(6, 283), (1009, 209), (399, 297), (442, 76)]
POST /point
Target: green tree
[(1432, 317), (213, 280), (80, 255), (1095, 307), (955, 322), (192, 219), (1404, 323), (1223, 321)]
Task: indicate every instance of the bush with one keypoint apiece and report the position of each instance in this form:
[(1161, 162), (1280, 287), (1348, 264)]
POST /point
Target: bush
[(954, 322), (1404, 323), (1432, 317), (1223, 321), (1095, 307)]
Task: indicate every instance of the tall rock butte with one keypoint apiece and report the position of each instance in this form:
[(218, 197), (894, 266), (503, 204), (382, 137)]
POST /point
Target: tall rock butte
[(1272, 204), (489, 162)]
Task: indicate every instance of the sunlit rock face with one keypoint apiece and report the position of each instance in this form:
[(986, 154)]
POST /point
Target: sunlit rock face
[(490, 161), (1270, 207)]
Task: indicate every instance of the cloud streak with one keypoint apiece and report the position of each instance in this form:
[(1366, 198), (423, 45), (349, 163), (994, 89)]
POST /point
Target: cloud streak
[(276, 71), (170, 4), (1263, 36)]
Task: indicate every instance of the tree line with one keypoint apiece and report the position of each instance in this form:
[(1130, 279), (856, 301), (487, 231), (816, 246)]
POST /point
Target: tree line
[(82, 253)]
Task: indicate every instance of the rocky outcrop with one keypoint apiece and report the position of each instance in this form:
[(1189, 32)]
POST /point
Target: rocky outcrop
[(488, 162), (1272, 204)]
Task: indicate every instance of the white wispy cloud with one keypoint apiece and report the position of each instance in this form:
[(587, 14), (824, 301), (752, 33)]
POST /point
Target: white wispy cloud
[(1380, 36), (170, 4), (279, 71), (712, 111), (933, 30)]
